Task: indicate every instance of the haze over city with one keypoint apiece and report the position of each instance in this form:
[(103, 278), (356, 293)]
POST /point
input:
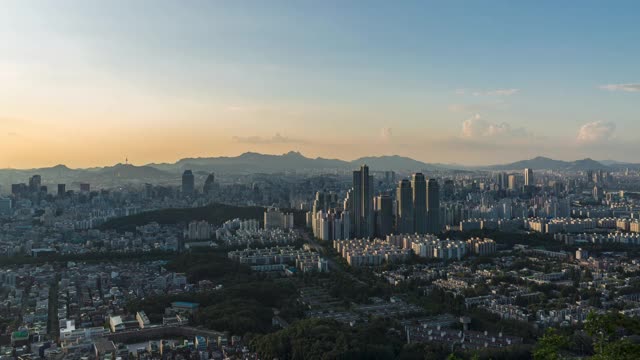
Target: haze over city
[(92, 83), (319, 180)]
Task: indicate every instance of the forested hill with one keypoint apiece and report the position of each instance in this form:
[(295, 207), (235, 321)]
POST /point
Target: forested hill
[(214, 214)]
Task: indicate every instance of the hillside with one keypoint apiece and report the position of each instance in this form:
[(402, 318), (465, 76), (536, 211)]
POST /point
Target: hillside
[(392, 162), (541, 162)]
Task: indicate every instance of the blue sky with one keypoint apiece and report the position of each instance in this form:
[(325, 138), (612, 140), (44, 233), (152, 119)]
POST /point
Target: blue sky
[(457, 81)]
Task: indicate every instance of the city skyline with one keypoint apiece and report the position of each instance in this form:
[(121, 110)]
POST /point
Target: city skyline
[(92, 83), (250, 179)]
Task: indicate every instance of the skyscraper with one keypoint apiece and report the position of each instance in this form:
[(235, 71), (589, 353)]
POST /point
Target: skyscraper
[(449, 189), (404, 221), (363, 202), (528, 177), (419, 197), (501, 180), (348, 207), (5, 206), (512, 182), (188, 182), (325, 201), (209, 184), (383, 206), (62, 189), (35, 182), (389, 177), (433, 207)]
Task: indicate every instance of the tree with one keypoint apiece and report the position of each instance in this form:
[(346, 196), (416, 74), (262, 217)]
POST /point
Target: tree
[(618, 350), (599, 327), (607, 345), (549, 345)]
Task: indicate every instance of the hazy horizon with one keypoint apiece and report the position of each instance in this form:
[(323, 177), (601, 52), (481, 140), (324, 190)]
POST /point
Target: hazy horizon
[(92, 83), (127, 161)]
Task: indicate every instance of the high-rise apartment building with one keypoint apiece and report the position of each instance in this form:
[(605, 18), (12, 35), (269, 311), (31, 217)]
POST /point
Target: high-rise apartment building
[(528, 177), (513, 183), (502, 180), (348, 207), (331, 225), (62, 189), (419, 197), (209, 184), (596, 192), (324, 201), (362, 205), (389, 177), (5, 206), (274, 218), (35, 182), (383, 205), (188, 182), (433, 207), (199, 230), (404, 212)]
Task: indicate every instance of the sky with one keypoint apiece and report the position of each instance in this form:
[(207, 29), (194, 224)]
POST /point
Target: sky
[(92, 83)]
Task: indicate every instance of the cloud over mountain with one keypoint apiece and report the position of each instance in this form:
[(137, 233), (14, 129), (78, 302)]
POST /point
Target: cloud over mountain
[(477, 127), (596, 132)]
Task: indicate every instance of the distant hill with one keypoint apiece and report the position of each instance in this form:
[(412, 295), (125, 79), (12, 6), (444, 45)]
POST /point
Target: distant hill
[(128, 171), (251, 162), (393, 162), (551, 164)]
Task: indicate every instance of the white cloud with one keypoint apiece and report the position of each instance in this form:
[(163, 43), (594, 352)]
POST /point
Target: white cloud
[(477, 127), (622, 87), (275, 139), (595, 132), (491, 92), (386, 134), (501, 92)]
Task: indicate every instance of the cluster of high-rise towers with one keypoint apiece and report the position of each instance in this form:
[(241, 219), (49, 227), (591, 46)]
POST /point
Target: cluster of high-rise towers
[(415, 209)]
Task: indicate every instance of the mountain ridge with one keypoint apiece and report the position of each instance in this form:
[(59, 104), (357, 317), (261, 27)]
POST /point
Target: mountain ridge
[(545, 163), (253, 162)]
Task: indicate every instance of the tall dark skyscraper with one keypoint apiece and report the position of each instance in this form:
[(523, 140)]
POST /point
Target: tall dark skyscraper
[(433, 206), (404, 199), (35, 182), (19, 189), (502, 180), (209, 184), (419, 197), (383, 205), (363, 203), (188, 183), (62, 189), (449, 189)]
